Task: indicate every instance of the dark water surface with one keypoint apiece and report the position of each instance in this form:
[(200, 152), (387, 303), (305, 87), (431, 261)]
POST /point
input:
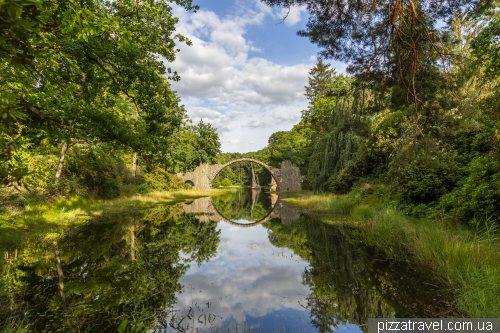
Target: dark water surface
[(240, 262)]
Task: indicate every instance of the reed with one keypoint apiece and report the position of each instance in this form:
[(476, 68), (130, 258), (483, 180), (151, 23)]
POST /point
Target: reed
[(466, 257)]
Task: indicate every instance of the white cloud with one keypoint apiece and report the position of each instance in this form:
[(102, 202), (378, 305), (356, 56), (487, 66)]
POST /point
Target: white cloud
[(204, 113), (245, 98), (249, 277), (292, 16), (233, 141)]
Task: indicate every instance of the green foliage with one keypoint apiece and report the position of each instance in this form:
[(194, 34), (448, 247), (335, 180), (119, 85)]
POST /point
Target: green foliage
[(338, 148), (143, 188), (89, 71), (385, 135), (193, 146), (95, 169), (226, 182), (343, 182), (477, 195), (486, 47), (424, 181), (293, 145), (319, 114), (320, 77), (160, 180), (434, 149), (216, 183)]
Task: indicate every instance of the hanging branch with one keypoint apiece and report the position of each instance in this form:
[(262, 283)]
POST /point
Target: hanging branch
[(380, 35)]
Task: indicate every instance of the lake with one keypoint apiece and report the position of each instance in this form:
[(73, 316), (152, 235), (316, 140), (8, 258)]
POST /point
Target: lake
[(239, 262)]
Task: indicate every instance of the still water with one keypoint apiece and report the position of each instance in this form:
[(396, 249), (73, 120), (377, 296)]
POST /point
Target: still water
[(240, 262)]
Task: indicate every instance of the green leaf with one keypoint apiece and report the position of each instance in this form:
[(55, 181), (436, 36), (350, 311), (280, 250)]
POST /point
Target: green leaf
[(123, 326)]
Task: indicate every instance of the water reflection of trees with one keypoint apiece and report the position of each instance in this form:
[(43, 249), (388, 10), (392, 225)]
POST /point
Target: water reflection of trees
[(351, 282), (243, 204), (116, 267)]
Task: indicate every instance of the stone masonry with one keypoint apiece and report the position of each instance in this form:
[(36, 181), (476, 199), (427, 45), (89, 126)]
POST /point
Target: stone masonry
[(288, 178), (205, 212)]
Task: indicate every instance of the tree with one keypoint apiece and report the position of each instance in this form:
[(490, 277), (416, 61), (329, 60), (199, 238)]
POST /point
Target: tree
[(96, 73), (192, 145), (289, 145), (387, 39), (207, 142), (486, 47), (318, 115), (320, 76), (19, 25)]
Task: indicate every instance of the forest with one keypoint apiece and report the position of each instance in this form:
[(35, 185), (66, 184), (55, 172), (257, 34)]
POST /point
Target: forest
[(415, 121), (87, 107), (86, 103), (402, 149)]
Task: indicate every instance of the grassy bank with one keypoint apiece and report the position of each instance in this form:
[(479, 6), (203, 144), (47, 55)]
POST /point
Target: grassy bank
[(467, 258), (19, 221)]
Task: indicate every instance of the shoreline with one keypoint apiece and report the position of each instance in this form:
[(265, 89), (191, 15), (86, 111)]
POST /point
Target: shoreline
[(18, 223), (467, 259)]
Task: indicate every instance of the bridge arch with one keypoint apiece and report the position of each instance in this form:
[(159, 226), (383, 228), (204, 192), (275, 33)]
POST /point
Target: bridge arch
[(275, 212), (288, 178), (273, 171)]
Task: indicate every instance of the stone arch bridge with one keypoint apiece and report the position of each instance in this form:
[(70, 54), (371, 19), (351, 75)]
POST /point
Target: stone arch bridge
[(205, 211), (288, 178)]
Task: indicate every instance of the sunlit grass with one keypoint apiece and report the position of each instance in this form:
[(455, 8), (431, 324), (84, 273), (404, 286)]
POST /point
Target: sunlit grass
[(467, 258), (69, 211)]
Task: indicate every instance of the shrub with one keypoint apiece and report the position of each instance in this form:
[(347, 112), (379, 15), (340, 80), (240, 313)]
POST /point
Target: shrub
[(95, 169), (343, 182), (226, 182), (216, 183), (42, 171), (424, 181), (478, 195), (160, 180), (143, 188)]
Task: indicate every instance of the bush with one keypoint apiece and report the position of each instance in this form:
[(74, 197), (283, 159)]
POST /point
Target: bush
[(226, 182), (95, 169), (424, 181), (160, 180), (42, 171), (216, 183), (478, 196), (343, 182), (143, 188)]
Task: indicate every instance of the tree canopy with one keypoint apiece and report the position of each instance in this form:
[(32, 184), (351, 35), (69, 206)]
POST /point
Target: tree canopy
[(90, 71)]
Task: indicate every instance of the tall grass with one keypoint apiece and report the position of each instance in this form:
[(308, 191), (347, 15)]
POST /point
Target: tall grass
[(467, 258), (77, 209), (14, 327)]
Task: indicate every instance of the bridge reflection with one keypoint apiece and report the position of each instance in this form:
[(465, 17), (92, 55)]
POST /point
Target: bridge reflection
[(205, 211)]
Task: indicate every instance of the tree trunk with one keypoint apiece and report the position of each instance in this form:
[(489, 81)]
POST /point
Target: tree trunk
[(61, 276), (255, 183), (132, 238), (134, 167), (61, 162)]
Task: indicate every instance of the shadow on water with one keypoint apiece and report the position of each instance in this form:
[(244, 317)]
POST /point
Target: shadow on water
[(190, 267)]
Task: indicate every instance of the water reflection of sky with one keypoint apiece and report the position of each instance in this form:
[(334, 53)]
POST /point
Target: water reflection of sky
[(249, 281)]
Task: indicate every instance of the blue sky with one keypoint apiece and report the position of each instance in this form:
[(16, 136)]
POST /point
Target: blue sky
[(244, 73)]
